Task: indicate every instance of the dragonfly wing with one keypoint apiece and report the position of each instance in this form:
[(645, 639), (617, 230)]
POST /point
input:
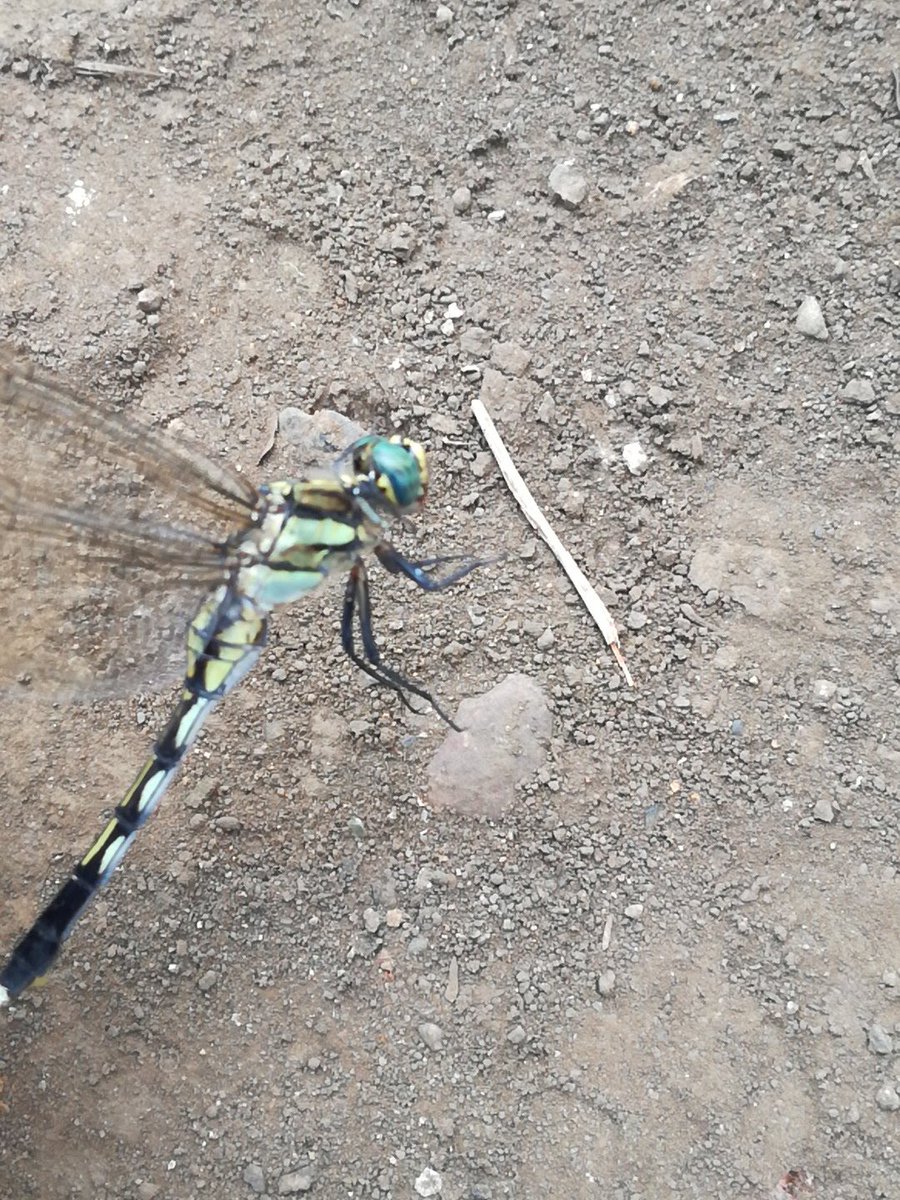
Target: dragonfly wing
[(41, 409), (109, 537), (85, 496)]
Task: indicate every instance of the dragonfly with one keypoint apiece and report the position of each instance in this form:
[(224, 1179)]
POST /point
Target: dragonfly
[(281, 541)]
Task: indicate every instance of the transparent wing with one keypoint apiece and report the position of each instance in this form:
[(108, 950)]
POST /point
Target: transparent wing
[(86, 496), (41, 407)]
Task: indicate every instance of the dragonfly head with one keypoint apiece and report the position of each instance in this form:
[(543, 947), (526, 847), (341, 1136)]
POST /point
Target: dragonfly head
[(391, 473)]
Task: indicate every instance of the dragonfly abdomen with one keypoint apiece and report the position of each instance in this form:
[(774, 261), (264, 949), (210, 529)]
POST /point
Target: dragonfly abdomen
[(224, 641)]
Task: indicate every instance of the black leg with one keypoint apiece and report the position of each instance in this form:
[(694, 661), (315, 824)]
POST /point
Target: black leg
[(356, 604), (394, 562)]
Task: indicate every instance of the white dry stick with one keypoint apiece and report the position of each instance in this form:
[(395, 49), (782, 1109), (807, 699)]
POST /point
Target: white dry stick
[(4, 996), (538, 521)]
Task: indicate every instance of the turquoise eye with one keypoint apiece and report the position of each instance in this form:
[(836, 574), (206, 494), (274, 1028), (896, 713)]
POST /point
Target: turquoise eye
[(396, 466)]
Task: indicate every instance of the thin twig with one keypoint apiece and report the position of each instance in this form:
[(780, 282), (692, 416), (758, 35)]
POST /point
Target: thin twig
[(97, 66), (538, 521)]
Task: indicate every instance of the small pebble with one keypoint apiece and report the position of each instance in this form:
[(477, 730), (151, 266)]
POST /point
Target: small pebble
[(858, 391), (546, 640), (887, 1098), (149, 300), (880, 1041), (823, 811), (606, 983), (429, 1183), (567, 184), (516, 1035), (295, 1181), (255, 1178), (443, 17), (824, 689), (371, 920), (432, 1035), (461, 200), (634, 457), (810, 321), (633, 911), (207, 981)]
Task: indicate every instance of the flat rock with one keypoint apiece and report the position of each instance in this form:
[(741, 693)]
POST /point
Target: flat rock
[(294, 1182), (510, 357), (504, 740), (317, 436), (762, 579)]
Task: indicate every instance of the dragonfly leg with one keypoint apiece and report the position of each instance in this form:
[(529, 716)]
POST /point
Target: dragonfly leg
[(358, 608), (417, 571)]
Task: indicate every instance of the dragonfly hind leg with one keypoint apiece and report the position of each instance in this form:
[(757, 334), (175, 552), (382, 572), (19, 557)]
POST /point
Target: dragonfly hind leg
[(357, 606)]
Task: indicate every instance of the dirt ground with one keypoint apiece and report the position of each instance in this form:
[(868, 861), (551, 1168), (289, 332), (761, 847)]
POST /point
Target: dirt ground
[(670, 966)]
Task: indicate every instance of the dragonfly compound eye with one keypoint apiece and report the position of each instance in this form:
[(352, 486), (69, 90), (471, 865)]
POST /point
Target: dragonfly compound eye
[(399, 471)]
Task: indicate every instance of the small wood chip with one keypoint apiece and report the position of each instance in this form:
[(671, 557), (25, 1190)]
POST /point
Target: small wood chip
[(607, 933), (269, 443), (451, 991)]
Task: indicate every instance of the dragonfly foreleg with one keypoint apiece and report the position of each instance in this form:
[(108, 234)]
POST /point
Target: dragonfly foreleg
[(358, 608), (417, 571)]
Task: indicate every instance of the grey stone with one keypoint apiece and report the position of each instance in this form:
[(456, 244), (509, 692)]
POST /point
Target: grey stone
[(823, 811), (461, 200), (295, 1181), (859, 391), (880, 1041), (567, 184), (810, 320), (606, 983), (635, 458), (429, 1183), (255, 1178), (823, 690), (149, 300), (432, 1035)]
